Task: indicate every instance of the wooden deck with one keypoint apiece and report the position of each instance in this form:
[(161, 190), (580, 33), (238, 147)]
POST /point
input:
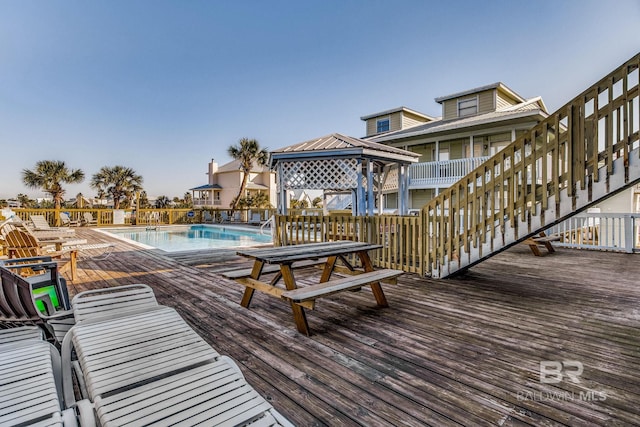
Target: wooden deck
[(463, 351)]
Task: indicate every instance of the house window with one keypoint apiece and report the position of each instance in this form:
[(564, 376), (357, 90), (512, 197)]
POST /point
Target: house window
[(382, 125), (467, 107)]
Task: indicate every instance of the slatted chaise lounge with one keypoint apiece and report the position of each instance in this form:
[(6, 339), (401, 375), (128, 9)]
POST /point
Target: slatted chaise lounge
[(30, 392), (148, 366)]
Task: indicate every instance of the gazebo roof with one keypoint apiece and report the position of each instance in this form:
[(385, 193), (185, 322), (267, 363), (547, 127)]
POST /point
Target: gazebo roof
[(337, 145)]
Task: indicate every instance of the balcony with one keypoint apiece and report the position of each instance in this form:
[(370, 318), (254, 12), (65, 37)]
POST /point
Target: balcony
[(206, 202), (441, 174)]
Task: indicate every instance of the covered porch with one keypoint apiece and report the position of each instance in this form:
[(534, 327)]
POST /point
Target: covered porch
[(207, 195)]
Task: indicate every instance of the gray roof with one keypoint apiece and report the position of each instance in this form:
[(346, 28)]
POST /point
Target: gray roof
[(496, 85), (395, 110), (337, 145), (337, 141), (234, 165), (526, 109)]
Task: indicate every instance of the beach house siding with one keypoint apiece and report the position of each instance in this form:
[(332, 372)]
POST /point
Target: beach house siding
[(503, 100), (409, 119), (228, 179), (446, 140), (485, 100), (421, 197), (399, 118), (395, 122)]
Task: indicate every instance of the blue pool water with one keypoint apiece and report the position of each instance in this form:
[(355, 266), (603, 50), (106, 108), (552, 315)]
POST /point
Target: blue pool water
[(185, 238)]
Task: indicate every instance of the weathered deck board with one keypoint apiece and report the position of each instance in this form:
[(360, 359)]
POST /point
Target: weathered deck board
[(463, 351)]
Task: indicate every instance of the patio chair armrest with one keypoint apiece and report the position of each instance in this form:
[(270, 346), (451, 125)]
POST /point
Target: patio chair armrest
[(66, 350), (12, 261), (86, 413), (57, 315), (48, 304)]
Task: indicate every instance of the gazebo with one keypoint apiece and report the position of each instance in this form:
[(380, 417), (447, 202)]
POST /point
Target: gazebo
[(336, 163)]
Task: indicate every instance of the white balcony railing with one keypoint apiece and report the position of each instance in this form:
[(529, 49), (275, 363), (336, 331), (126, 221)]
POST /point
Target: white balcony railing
[(600, 231), (443, 173), (206, 202)]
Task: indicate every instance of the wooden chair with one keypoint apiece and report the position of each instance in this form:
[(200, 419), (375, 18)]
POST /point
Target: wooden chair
[(22, 244), (541, 240)]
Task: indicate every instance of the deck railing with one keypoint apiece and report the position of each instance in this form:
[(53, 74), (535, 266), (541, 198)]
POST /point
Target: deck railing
[(441, 173), (206, 202), (153, 216), (575, 157), (600, 231), (401, 237)]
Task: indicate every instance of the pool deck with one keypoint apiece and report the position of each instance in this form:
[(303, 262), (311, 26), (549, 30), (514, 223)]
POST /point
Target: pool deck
[(463, 351)]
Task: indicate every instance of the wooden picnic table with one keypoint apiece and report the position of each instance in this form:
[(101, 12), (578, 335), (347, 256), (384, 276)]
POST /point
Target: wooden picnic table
[(284, 260)]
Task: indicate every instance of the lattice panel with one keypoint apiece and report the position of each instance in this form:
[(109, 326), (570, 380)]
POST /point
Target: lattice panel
[(391, 183), (328, 174)]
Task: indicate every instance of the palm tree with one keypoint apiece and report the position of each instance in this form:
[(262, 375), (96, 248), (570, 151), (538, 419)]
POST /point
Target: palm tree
[(143, 199), (260, 200), (118, 181), (188, 199), (162, 202), (24, 200), (248, 152), (49, 175)]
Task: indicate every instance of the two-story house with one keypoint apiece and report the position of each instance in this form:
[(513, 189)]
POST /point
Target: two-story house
[(475, 124), (224, 184)]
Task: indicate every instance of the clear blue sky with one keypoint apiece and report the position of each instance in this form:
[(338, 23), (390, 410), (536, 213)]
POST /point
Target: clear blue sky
[(164, 86)]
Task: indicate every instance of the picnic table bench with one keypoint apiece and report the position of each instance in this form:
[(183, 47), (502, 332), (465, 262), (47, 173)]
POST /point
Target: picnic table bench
[(285, 260), (541, 240)]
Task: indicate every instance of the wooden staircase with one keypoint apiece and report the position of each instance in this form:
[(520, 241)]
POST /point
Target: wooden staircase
[(583, 153)]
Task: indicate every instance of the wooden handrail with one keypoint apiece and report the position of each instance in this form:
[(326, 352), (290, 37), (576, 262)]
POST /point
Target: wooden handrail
[(548, 174)]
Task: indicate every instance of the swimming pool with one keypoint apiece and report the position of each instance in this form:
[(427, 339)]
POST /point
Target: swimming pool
[(185, 238)]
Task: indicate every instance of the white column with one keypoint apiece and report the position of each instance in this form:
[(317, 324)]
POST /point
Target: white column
[(382, 177), (282, 208), (370, 184), (513, 134), (402, 206), (359, 190), (471, 147)]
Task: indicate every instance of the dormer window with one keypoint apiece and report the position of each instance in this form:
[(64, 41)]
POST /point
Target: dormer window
[(468, 107), (382, 125)]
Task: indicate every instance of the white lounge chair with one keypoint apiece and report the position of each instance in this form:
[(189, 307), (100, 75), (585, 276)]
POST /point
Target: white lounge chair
[(40, 223), (223, 216), (30, 380), (67, 221), (88, 219), (255, 219), (148, 366), (207, 218)]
